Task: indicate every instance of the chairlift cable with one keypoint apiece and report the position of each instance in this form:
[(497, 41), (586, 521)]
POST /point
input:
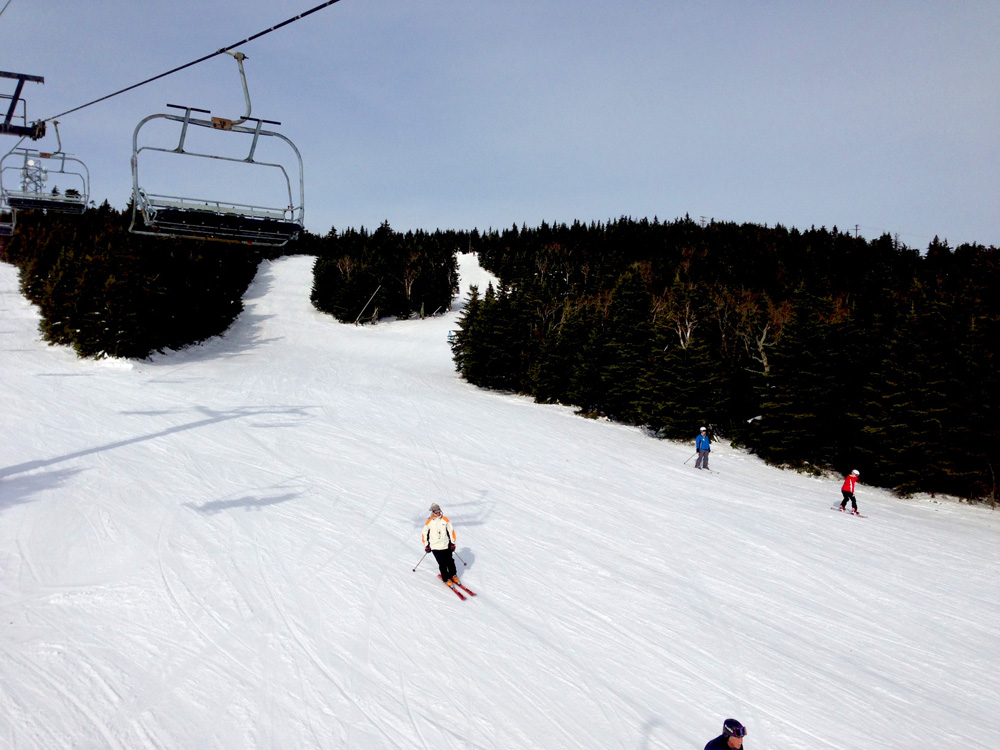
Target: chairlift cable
[(222, 51)]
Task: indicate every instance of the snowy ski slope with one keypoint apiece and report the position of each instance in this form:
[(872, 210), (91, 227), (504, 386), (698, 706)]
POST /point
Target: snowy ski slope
[(214, 549)]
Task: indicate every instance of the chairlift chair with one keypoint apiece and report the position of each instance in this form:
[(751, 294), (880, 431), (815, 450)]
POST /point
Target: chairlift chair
[(30, 171), (225, 221)]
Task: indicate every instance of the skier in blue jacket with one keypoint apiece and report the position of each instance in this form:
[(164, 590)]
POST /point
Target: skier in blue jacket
[(704, 446)]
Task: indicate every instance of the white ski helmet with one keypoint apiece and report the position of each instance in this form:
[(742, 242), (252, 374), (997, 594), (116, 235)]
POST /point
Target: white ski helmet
[(856, 473)]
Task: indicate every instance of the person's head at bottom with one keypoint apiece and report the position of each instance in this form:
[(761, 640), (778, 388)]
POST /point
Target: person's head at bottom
[(734, 732)]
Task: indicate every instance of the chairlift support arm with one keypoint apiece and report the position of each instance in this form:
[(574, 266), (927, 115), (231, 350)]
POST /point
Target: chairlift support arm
[(240, 57), (35, 130)]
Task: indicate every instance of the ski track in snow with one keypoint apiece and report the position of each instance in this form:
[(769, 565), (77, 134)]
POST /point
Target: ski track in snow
[(214, 548)]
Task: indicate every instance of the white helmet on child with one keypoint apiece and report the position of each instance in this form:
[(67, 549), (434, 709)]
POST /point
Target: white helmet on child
[(856, 473)]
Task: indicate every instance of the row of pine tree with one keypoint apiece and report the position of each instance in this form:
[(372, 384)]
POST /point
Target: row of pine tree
[(813, 349), (362, 275), (107, 292)]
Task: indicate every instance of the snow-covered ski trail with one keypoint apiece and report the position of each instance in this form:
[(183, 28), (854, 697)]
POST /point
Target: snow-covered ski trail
[(213, 548)]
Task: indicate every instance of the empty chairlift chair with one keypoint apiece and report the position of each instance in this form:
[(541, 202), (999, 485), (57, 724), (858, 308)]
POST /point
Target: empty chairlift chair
[(214, 219), (25, 176)]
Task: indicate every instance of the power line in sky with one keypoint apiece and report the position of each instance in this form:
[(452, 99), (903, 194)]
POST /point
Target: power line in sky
[(179, 68)]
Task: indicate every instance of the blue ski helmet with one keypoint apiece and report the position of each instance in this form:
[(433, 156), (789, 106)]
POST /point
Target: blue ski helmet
[(732, 728)]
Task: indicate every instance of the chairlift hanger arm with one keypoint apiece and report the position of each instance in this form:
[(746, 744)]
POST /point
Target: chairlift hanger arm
[(240, 57), (222, 123), (55, 126)]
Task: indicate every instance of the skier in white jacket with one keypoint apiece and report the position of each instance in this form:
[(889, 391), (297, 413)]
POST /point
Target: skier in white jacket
[(439, 537)]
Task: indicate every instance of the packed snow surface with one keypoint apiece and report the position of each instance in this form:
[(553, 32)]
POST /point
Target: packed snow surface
[(215, 549)]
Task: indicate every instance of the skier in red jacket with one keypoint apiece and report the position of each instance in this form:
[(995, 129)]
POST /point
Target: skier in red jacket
[(848, 492)]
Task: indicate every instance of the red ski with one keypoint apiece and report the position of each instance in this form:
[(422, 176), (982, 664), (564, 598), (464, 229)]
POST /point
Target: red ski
[(458, 593), (466, 589), (847, 513)]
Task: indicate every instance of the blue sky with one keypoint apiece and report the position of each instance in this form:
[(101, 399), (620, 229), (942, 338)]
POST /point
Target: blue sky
[(452, 114)]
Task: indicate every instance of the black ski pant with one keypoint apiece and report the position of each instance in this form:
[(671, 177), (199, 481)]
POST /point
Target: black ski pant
[(848, 496), (702, 461), (446, 563)]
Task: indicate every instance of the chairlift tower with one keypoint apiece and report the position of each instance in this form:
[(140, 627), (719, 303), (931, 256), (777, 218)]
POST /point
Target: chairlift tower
[(33, 176)]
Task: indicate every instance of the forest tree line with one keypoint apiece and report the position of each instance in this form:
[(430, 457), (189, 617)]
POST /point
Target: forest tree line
[(107, 292), (814, 349), (362, 275)]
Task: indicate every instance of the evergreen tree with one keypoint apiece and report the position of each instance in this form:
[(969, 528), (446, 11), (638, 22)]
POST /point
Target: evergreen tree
[(627, 348), (802, 411)]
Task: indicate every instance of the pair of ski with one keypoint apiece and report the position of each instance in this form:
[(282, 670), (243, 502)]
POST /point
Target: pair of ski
[(456, 586), (847, 513)]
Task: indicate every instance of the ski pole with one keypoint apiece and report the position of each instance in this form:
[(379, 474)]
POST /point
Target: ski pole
[(692, 456), (460, 558), (418, 564)]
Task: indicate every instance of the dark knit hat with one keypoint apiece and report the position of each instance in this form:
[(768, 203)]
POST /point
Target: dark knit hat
[(435, 508)]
